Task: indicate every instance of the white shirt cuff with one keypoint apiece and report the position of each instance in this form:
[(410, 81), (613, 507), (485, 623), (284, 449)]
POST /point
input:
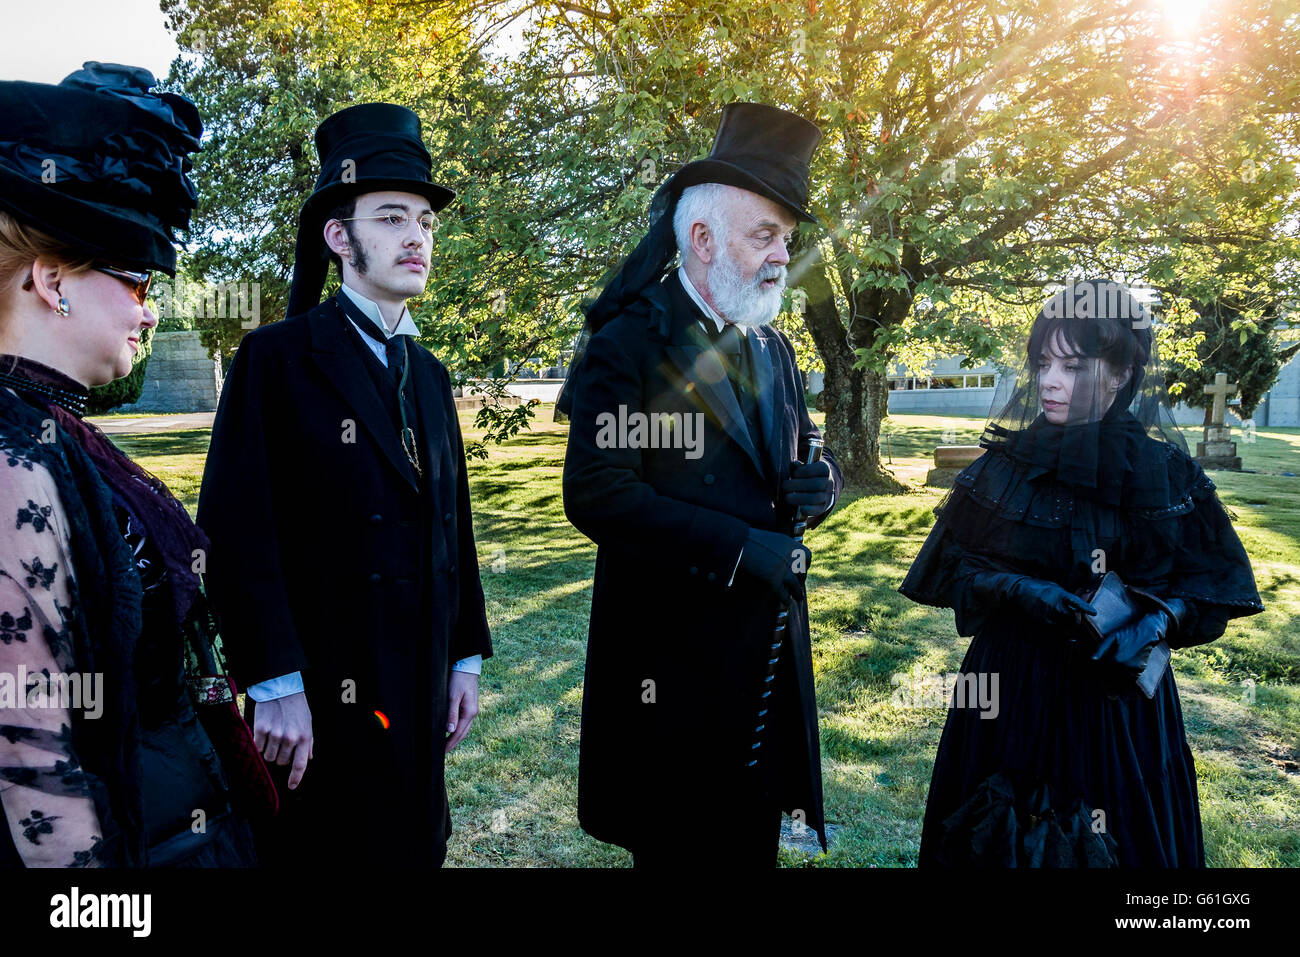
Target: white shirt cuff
[(280, 687), (472, 665)]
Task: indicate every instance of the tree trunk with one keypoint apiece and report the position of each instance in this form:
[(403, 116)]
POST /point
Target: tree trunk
[(854, 400)]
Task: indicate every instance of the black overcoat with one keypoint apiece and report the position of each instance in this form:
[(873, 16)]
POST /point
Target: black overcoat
[(330, 557), (677, 648)]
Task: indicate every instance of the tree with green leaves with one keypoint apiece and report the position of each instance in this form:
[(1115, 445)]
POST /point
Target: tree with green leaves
[(264, 73), (975, 155), (1251, 352)]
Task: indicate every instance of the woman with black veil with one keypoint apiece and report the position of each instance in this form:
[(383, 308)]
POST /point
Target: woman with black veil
[(1084, 473)]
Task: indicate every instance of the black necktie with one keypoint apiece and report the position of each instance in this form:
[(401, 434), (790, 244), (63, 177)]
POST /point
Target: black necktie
[(731, 345), (395, 350), (394, 346)]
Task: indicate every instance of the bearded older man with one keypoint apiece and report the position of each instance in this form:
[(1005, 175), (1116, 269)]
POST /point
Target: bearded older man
[(695, 722)]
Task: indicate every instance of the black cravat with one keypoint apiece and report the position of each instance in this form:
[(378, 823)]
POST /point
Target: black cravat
[(394, 346), (395, 349), (731, 345)]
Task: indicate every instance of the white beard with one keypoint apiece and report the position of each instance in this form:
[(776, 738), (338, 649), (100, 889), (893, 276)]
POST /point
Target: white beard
[(741, 302)]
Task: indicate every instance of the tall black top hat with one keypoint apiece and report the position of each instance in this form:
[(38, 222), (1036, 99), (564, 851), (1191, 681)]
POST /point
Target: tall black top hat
[(363, 149), (99, 162), (762, 149)]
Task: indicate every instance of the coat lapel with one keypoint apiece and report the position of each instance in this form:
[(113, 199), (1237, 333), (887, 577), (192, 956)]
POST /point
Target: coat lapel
[(769, 387), (435, 435), (761, 362), (337, 359), (692, 352)]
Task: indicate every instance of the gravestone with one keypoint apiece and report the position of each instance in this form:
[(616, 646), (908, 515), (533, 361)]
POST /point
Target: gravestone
[(949, 460), (1218, 451), (180, 376), (802, 839)]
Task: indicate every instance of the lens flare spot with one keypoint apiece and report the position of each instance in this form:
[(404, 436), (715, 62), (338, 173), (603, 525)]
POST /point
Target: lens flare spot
[(382, 719)]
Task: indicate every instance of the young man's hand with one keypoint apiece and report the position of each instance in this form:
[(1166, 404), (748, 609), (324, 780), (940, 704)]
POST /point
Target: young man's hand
[(462, 695), (282, 732)]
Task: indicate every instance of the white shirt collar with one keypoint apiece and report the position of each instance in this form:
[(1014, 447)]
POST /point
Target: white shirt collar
[(702, 303), (405, 326)]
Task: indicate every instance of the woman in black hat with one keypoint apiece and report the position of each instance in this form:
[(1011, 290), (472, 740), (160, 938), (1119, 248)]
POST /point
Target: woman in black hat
[(1064, 742), (102, 760)]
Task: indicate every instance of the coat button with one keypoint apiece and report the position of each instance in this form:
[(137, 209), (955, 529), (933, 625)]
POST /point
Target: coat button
[(376, 578), (708, 480), (376, 519)]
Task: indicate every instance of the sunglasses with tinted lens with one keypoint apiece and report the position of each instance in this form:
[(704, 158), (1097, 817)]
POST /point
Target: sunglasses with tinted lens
[(138, 281)]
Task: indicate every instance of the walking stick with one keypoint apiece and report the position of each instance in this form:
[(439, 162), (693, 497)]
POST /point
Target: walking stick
[(778, 630)]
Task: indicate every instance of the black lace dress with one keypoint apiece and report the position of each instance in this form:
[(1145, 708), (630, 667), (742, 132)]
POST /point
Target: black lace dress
[(1063, 772), (102, 759)]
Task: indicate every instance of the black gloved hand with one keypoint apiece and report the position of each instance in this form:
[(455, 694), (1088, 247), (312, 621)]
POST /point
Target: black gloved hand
[(1043, 600), (772, 558), (808, 488), (1122, 655)]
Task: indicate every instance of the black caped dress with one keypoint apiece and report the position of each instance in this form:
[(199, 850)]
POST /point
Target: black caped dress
[(1069, 773)]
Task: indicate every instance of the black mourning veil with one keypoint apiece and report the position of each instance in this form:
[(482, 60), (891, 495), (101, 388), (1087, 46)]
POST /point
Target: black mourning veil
[(1084, 458), (1090, 389)]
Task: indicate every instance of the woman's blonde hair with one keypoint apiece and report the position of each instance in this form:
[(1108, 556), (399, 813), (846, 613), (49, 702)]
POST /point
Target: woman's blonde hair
[(20, 245)]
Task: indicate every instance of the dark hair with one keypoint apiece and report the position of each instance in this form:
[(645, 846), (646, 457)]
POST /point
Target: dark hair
[(342, 211), (1098, 319)]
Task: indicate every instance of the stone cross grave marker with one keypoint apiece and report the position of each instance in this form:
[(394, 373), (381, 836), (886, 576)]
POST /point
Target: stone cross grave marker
[(1218, 451)]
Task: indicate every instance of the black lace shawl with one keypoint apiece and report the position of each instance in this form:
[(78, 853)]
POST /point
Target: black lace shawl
[(102, 627)]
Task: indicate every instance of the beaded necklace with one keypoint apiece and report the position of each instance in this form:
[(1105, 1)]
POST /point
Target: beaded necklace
[(34, 378)]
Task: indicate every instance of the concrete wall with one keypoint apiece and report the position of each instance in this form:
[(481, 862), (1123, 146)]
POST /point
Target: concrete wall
[(545, 389), (180, 376)]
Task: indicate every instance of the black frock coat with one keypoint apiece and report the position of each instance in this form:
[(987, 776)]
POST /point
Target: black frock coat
[(331, 557), (677, 650)]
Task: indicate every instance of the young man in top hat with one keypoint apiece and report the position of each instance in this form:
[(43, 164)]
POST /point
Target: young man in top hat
[(343, 565), (698, 715)]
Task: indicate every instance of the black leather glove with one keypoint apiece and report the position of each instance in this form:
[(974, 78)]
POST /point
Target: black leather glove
[(1046, 601), (808, 488), (772, 558), (1123, 654)]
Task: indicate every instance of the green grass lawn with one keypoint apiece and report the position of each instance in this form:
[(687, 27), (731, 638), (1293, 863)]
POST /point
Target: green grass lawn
[(513, 782)]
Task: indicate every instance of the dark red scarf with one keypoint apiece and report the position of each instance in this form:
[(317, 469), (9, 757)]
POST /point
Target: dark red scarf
[(150, 502)]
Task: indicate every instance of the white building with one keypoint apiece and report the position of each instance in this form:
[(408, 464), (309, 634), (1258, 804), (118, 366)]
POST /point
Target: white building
[(948, 389)]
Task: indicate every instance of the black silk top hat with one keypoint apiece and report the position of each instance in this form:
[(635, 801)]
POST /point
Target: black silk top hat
[(100, 162), (363, 149), (760, 148)]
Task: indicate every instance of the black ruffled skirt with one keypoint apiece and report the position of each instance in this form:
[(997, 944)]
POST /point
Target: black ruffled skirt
[(1063, 774)]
